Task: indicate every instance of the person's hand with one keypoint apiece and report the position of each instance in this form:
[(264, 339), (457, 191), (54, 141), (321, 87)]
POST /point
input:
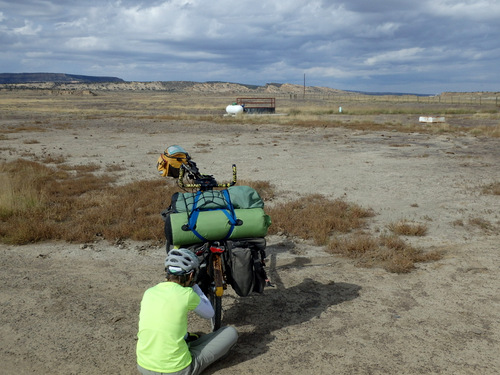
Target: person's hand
[(191, 337)]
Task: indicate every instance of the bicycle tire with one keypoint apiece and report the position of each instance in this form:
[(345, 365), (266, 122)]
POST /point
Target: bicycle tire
[(217, 305)]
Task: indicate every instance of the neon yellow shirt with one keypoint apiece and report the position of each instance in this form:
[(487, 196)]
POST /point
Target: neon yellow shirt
[(162, 326)]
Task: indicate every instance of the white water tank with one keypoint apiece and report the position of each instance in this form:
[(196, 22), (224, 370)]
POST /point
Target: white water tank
[(234, 109)]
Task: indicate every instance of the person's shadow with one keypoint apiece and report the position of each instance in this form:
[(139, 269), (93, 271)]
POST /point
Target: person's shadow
[(278, 308)]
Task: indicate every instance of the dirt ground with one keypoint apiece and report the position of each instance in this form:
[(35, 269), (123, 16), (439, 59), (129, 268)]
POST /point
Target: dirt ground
[(73, 308)]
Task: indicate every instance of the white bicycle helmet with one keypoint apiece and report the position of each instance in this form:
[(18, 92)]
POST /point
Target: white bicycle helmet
[(181, 262)]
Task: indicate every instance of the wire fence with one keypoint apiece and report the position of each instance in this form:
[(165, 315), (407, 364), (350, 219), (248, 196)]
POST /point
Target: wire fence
[(474, 99), (435, 99)]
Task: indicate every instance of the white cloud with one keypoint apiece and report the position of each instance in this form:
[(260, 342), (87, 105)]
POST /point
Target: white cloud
[(331, 71), (38, 55), (466, 9), (75, 24), (28, 29), (386, 29), (403, 55), (88, 43)]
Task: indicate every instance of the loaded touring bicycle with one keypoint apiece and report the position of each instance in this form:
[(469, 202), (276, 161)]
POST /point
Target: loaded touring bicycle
[(223, 224)]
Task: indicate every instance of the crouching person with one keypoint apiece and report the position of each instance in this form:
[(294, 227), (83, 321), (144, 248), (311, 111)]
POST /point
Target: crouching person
[(164, 345)]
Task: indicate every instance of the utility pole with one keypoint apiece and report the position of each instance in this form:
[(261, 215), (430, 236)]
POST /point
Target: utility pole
[(304, 96)]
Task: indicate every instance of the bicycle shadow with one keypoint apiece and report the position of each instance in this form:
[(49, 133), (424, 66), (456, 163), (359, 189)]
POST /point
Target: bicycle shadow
[(278, 308)]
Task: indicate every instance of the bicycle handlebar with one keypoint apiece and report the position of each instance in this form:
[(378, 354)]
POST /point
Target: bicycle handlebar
[(204, 182)]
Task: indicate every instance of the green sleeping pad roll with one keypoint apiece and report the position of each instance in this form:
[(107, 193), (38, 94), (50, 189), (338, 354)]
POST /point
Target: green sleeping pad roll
[(214, 225)]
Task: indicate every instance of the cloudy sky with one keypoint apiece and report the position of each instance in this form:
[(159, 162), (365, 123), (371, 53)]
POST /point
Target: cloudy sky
[(417, 46)]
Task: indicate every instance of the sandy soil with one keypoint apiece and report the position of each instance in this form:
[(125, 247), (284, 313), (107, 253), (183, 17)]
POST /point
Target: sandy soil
[(73, 308)]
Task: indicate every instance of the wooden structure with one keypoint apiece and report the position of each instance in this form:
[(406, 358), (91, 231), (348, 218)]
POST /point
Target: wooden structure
[(257, 105)]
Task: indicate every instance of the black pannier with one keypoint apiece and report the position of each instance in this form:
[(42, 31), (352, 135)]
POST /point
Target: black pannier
[(244, 269)]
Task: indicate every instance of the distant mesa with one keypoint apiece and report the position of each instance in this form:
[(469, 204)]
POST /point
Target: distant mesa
[(13, 78), (61, 83)]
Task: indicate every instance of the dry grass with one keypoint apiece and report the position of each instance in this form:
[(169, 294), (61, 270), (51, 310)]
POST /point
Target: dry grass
[(311, 111), (115, 168), (31, 142), (316, 218), (49, 159), (392, 107), (407, 228), (486, 131), (389, 252), (362, 122), (39, 203), (481, 223), (336, 224), (493, 188), (476, 222), (71, 203), (23, 128)]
